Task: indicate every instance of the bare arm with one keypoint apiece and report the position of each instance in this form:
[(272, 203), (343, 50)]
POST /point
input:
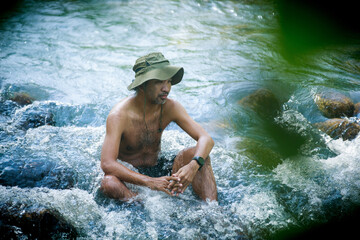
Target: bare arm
[(204, 141), (114, 128), (203, 147), (110, 150)]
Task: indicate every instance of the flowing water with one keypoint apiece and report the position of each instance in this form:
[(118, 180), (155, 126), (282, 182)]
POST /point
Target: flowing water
[(75, 59)]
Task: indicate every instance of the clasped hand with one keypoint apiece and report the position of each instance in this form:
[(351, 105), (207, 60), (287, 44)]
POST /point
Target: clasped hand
[(176, 183), (186, 175)]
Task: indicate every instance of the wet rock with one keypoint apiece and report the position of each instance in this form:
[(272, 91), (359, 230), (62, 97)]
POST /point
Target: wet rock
[(357, 110), (334, 105), (7, 108), (35, 173), (263, 102), (259, 152), (34, 116), (24, 222), (21, 98), (339, 128)]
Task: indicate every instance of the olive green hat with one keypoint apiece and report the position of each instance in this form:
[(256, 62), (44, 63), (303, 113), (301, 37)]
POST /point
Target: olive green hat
[(155, 66)]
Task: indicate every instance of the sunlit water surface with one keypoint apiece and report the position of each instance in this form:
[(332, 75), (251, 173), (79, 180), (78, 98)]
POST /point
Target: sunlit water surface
[(75, 59)]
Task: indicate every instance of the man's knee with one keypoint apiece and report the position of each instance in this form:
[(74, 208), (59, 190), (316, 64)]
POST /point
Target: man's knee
[(108, 182), (114, 188), (186, 154)]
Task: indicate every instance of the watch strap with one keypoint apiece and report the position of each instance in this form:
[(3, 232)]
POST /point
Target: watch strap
[(200, 161)]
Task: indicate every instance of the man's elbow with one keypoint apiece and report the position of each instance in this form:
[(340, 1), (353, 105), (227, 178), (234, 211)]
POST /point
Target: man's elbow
[(106, 166)]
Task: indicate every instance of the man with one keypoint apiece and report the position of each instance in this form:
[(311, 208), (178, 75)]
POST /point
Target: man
[(133, 134)]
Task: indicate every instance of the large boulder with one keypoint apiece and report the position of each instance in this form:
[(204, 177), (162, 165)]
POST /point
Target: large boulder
[(339, 128), (334, 105), (33, 222), (34, 116), (29, 173), (263, 102)]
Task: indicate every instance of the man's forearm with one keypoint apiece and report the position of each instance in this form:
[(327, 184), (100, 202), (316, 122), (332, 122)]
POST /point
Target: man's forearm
[(204, 146), (118, 170)]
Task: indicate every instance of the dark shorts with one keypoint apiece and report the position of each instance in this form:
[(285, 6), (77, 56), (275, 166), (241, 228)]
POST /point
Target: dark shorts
[(162, 168)]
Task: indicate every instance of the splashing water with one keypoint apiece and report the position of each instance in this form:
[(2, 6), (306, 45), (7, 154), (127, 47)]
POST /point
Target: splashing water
[(75, 57)]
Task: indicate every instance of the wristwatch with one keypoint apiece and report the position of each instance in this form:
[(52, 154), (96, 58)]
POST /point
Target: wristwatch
[(200, 161)]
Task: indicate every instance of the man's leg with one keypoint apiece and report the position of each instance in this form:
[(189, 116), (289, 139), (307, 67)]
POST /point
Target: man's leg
[(204, 184), (112, 187)]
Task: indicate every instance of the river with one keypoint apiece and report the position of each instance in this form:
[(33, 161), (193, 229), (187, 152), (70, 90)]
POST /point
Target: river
[(75, 59)]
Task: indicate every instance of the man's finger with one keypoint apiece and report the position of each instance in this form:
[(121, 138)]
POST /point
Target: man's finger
[(174, 190), (173, 178), (178, 185), (168, 192), (184, 188)]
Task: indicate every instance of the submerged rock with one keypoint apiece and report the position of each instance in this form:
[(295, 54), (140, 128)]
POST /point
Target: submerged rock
[(263, 102), (8, 108), (31, 173), (24, 222), (334, 105), (34, 116), (21, 98), (339, 128), (260, 153)]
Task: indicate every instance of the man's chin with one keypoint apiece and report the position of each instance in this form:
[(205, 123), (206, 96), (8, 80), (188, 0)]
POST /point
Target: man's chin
[(161, 101)]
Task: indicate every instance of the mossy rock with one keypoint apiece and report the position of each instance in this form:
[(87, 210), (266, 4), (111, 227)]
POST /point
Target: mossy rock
[(263, 102), (21, 98), (339, 128), (260, 153), (334, 105)]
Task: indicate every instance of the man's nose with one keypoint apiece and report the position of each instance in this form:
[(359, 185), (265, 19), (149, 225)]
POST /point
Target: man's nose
[(166, 86)]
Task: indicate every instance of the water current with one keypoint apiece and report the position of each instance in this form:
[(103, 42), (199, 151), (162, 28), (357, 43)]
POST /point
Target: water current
[(75, 58)]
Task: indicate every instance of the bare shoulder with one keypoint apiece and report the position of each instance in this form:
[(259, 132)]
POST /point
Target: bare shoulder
[(175, 109), (173, 105), (120, 112)]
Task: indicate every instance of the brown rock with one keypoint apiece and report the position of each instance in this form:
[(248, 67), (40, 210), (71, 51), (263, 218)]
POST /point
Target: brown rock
[(338, 127), (262, 101), (334, 105), (357, 109), (22, 98)]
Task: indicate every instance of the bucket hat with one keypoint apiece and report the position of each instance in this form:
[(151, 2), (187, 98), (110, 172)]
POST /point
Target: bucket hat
[(155, 66)]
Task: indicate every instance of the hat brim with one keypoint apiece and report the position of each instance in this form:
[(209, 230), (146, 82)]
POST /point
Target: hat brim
[(163, 73)]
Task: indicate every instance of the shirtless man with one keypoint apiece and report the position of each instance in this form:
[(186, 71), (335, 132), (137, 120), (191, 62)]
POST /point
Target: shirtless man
[(133, 134)]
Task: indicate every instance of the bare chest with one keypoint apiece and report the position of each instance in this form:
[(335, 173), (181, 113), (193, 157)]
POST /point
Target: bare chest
[(139, 137)]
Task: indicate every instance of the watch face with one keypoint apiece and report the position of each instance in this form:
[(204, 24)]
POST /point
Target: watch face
[(201, 160)]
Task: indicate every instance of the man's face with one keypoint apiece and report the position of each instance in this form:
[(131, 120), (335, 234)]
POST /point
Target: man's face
[(157, 91)]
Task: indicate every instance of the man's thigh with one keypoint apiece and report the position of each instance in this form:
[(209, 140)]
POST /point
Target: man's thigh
[(183, 158), (204, 184)]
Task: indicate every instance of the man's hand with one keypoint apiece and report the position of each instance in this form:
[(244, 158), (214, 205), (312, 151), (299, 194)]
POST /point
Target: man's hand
[(186, 175), (164, 184)]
